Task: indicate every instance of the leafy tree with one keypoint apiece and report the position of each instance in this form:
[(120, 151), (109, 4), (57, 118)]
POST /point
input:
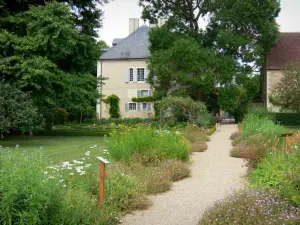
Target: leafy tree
[(286, 92), (52, 60), (17, 112), (214, 65), (86, 14)]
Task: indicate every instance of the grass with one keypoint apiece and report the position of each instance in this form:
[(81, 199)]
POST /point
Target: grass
[(57, 148)]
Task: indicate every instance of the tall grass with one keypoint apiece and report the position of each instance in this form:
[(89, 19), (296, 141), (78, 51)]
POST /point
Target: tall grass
[(126, 142)]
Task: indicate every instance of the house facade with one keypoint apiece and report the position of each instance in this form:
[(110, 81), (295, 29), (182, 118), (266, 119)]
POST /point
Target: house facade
[(285, 52), (125, 67)]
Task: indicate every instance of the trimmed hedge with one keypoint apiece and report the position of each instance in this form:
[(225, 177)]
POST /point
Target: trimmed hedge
[(287, 118)]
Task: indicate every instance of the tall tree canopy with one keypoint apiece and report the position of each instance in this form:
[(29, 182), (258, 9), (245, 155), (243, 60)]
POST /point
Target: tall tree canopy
[(220, 64), (48, 50)]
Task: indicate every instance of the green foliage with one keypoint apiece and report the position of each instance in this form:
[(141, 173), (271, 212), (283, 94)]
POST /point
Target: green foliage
[(205, 120), (198, 147), (125, 142), (144, 99), (45, 54), (235, 135), (177, 169), (285, 93), (190, 108), (114, 109), (254, 124), (194, 134), (251, 207), (286, 118), (280, 171), (17, 112)]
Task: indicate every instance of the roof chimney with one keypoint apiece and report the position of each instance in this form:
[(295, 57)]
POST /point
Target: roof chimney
[(133, 25)]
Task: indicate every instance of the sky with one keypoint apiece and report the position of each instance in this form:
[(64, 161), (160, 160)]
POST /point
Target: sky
[(118, 12)]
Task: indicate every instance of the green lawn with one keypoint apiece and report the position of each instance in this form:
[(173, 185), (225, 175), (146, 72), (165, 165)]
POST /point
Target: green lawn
[(57, 148)]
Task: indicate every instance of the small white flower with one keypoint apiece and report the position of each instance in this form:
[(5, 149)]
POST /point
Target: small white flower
[(41, 148), (51, 177), (83, 158), (71, 173), (82, 172), (87, 153), (64, 185), (87, 165), (17, 146), (62, 180), (77, 162)]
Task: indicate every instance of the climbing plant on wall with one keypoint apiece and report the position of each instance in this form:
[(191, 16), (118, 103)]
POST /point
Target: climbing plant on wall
[(114, 109)]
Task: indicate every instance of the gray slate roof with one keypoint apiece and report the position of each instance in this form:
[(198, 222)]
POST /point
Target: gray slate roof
[(135, 46), (116, 41)]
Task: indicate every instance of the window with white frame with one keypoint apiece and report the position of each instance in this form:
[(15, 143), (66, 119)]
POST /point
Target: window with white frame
[(140, 74), (144, 93), (145, 107), (131, 74), (132, 106)]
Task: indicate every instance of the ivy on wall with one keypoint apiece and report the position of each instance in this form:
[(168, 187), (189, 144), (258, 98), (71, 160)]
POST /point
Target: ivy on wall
[(113, 101), (144, 99)]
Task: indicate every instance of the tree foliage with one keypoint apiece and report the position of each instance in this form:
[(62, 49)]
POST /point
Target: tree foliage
[(286, 92), (190, 108), (220, 65), (17, 112), (44, 52), (114, 107)]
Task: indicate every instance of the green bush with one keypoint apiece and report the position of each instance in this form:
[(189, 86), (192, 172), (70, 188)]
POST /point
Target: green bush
[(198, 147), (254, 124), (287, 119), (205, 120), (251, 207), (235, 135), (177, 169), (194, 134), (281, 171), (146, 141)]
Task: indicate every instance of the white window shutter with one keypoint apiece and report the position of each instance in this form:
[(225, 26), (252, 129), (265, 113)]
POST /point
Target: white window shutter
[(138, 106), (135, 75), (139, 93), (149, 106), (126, 107), (146, 73), (150, 93), (127, 75)]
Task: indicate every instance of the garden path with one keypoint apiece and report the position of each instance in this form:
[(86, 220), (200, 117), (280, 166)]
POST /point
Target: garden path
[(214, 174)]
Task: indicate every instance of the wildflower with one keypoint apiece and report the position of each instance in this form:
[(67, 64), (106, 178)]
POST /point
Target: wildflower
[(87, 153), (71, 173), (17, 146), (64, 185), (62, 180), (41, 147), (87, 165), (77, 162)]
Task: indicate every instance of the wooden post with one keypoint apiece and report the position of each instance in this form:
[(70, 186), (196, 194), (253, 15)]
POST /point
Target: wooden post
[(102, 179)]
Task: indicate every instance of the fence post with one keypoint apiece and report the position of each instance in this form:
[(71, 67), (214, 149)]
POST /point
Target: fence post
[(103, 162)]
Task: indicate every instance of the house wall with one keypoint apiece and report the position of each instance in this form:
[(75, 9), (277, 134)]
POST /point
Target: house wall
[(273, 77), (116, 72)]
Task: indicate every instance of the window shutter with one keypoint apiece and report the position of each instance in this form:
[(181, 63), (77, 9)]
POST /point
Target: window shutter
[(150, 93), (127, 75), (139, 93), (135, 75), (138, 106), (126, 107), (146, 74), (149, 106)]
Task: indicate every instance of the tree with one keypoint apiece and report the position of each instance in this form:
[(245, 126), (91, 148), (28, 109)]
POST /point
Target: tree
[(86, 14), (52, 59), (286, 92), (224, 60), (17, 112)]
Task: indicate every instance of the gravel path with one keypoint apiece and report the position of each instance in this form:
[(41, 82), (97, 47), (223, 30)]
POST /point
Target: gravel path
[(214, 174)]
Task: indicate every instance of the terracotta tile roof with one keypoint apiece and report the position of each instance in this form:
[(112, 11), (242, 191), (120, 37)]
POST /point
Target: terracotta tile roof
[(286, 51)]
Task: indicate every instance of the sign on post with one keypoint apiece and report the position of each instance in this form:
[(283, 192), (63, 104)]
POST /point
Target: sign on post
[(102, 179)]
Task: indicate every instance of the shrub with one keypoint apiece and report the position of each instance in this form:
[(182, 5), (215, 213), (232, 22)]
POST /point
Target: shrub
[(287, 119), (194, 134), (237, 140), (235, 135), (204, 120), (177, 169), (198, 147), (146, 141), (251, 207), (254, 124), (281, 171), (252, 149)]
